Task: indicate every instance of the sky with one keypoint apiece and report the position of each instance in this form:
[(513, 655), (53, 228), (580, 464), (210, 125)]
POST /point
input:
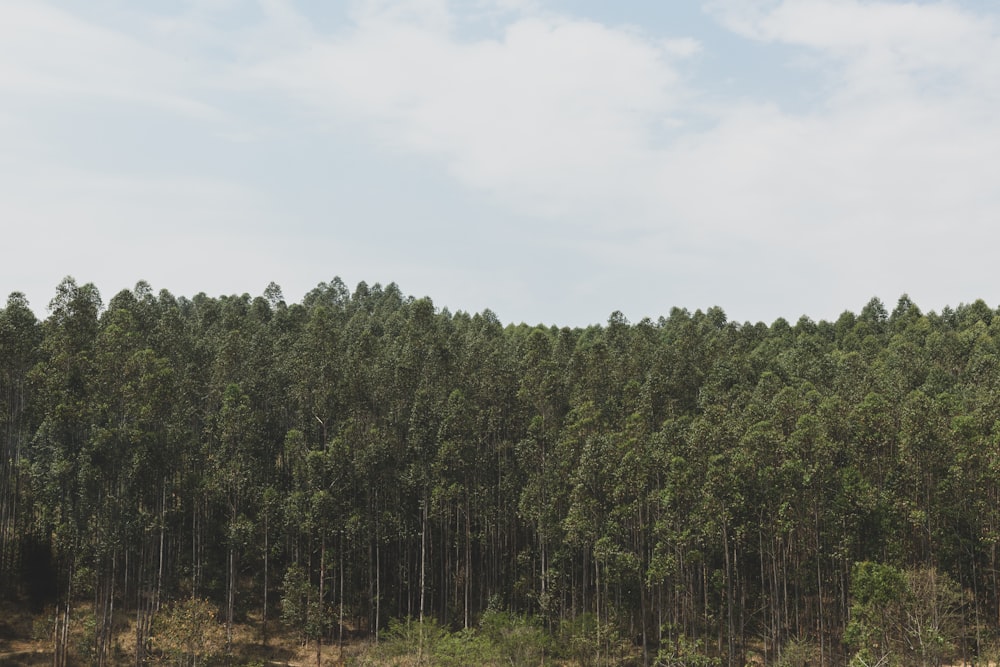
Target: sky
[(550, 160)]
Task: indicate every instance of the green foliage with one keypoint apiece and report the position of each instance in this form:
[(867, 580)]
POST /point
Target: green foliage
[(588, 640), (519, 640), (301, 607), (502, 639), (799, 653), (911, 617), (683, 652), (365, 456), (877, 598), (87, 639), (429, 643), (188, 630)]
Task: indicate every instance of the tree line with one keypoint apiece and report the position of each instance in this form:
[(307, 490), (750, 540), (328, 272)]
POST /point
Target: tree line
[(683, 487)]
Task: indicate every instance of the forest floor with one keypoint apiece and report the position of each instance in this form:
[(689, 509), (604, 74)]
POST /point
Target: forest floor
[(24, 642), (21, 645), (16, 644)]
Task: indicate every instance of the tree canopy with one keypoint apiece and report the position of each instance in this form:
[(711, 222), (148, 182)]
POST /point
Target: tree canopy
[(683, 486)]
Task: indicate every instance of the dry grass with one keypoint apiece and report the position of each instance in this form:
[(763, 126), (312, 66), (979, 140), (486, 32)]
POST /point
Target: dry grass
[(19, 648)]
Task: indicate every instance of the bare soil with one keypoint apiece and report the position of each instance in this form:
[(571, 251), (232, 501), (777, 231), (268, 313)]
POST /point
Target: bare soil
[(20, 647)]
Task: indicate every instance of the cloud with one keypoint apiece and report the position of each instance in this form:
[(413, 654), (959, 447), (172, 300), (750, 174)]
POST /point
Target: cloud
[(905, 132), (683, 47), (882, 47), (609, 132), (884, 180), (561, 116), (530, 115), (47, 53), (610, 141), (184, 234)]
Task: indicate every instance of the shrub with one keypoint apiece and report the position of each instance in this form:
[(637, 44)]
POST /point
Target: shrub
[(684, 652), (188, 631), (519, 640)]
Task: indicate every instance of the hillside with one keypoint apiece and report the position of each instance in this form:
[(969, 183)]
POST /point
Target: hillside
[(650, 492)]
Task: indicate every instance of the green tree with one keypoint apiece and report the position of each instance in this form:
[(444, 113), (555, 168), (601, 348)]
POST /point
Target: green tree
[(20, 336), (303, 609), (188, 631)]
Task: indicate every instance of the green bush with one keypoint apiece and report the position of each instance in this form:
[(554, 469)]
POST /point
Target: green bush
[(188, 631), (502, 639), (798, 653), (519, 640), (683, 652), (587, 640), (429, 643), (911, 617)]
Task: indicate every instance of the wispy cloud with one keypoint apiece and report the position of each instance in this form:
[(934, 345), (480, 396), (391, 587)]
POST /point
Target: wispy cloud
[(607, 137), (48, 53), (883, 48), (576, 120), (546, 106), (890, 166)]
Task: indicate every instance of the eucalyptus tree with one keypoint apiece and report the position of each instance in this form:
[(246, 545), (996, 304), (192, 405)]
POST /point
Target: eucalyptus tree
[(234, 476), (132, 460), (696, 482), (491, 421), (20, 336), (63, 473)]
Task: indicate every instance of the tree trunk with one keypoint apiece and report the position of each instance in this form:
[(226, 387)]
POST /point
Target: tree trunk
[(263, 612), (423, 558), (230, 597), (340, 637), (468, 561), (322, 579), (729, 597)]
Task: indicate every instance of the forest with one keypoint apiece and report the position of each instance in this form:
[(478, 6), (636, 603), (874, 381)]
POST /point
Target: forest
[(684, 491)]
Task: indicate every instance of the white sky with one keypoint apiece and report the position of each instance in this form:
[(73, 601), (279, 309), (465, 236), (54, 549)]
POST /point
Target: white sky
[(550, 160)]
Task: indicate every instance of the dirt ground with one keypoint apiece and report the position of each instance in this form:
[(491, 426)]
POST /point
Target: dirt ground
[(20, 645)]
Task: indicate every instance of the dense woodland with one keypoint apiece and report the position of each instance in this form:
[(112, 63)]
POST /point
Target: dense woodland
[(685, 491)]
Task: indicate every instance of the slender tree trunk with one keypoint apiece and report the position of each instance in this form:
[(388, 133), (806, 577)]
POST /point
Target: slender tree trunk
[(60, 632), (56, 636), (340, 637), (423, 558), (263, 612), (643, 591), (322, 580), (597, 595), (776, 597), (468, 560), (194, 548), (819, 589), (729, 597), (140, 607), (230, 597), (423, 573)]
